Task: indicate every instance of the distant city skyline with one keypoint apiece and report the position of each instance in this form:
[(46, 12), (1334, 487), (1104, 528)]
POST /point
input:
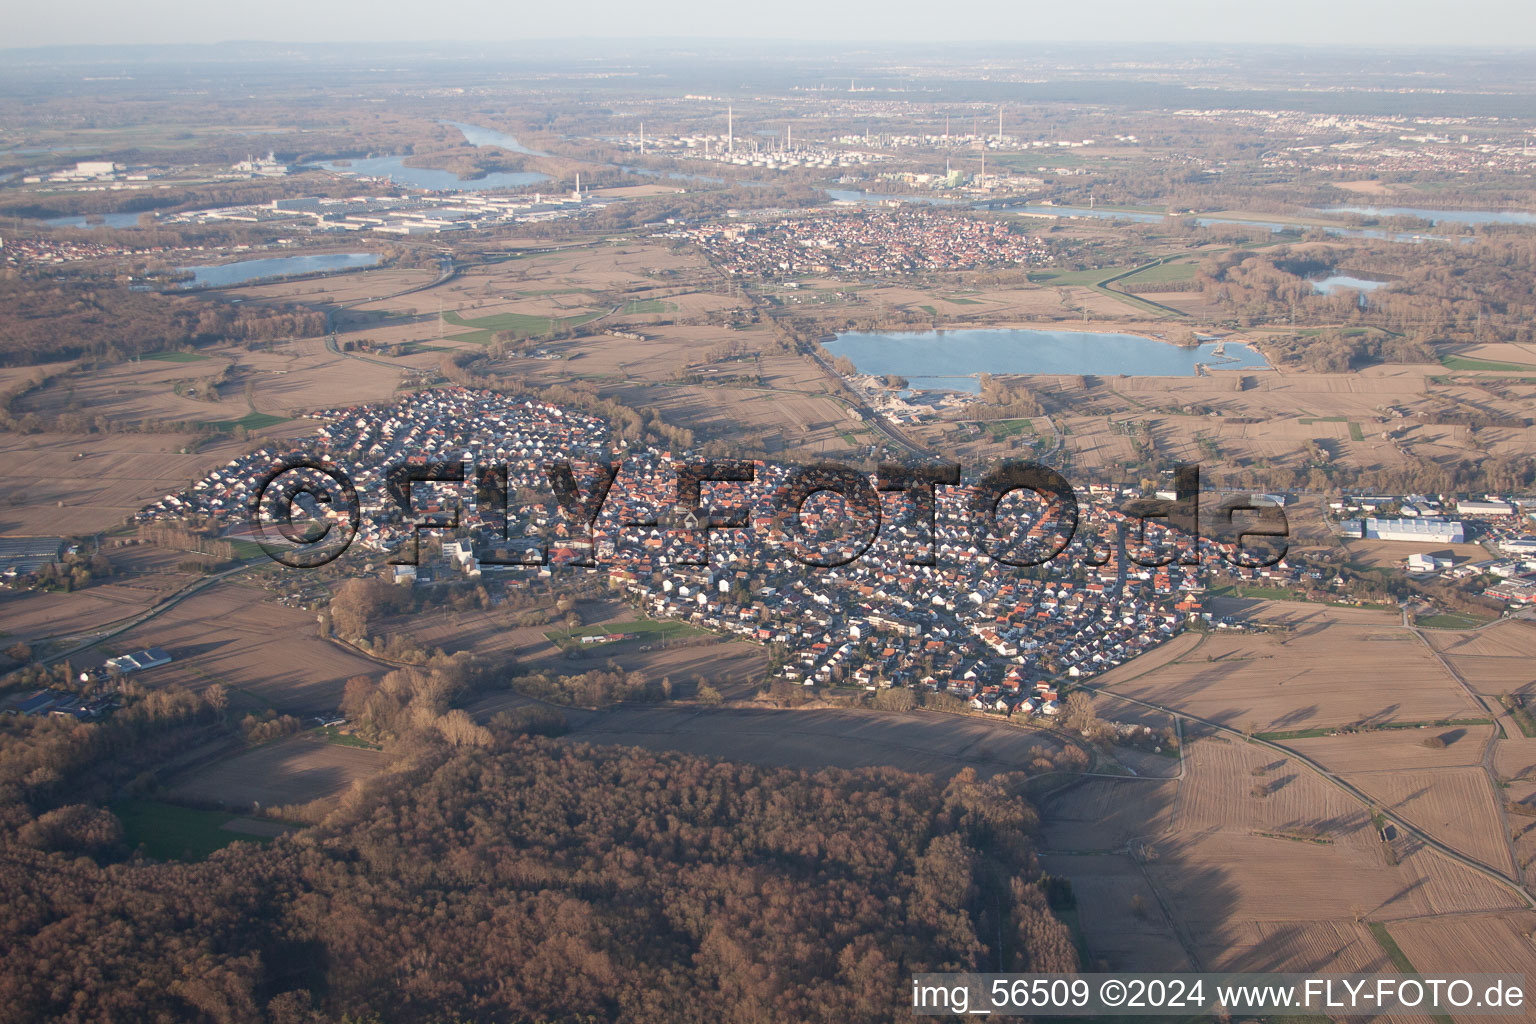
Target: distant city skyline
[(1504, 24)]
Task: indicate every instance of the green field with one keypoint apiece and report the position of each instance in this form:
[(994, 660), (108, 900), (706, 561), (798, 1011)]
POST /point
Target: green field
[(1459, 363), (963, 302), (250, 421), (1100, 280), (1165, 273), (1031, 162), (245, 550), (1390, 947), (170, 832), (1088, 277), (645, 630), (520, 325), (1521, 715), (331, 734), (1328, 730), (176, 357), (1003, 429), (1451, 620), (1400, 960), (650, 306), (1355, 433), (1259, 593)]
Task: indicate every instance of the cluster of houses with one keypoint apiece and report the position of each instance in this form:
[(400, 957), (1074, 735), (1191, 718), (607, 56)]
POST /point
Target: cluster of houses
[(875, 242), (963, 624), (32, 250), (920, 606), (458, 425)]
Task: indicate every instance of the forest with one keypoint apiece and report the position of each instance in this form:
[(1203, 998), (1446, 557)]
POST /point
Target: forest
[(1467, 292), (529, 879), (45, 319)]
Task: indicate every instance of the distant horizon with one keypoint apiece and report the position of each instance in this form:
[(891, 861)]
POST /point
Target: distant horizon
[(652, 43), (1507, 25)]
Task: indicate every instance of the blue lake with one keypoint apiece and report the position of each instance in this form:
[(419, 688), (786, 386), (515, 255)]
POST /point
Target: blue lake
[(845, 195), (393, 167), (1440, 216), (954, 359), (1339, 282), (476, 135), (1088, 211), (245, 271), (96, 220)]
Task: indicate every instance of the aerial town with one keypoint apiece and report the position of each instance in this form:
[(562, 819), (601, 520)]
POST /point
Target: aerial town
[(959, 625), (613, 521), (852, 246)]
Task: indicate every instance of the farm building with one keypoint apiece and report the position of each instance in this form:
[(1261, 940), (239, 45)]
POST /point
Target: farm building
[(139, 660), (60, 704), (22, 556)]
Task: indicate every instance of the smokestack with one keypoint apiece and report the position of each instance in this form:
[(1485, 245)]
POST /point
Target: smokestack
[(730, 129)]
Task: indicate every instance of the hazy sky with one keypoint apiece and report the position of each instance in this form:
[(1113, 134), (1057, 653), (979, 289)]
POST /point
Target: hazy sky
[(1502, 23)]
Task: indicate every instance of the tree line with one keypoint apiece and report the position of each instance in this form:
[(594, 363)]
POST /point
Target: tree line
[(522, 878), (49, 319)]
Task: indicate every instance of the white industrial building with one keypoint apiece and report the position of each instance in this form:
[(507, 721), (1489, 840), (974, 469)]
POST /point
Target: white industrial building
[(1489, 507), (1428, 563), (268, 166), (1433, 531)]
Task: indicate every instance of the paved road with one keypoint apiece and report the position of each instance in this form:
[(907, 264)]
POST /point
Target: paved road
[(84, 641), (447, 271), (1513, 884), (1505, 725), (879, 423)]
